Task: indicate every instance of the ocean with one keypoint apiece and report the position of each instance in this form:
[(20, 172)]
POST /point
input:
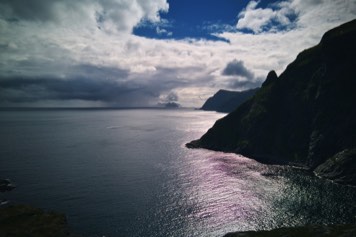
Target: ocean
[(128, 173)]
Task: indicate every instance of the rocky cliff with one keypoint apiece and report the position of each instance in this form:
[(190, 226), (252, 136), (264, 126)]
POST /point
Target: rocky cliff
[(306, 116), (227, 101)]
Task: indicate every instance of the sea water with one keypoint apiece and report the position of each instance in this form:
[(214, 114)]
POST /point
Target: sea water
[(128, 173)]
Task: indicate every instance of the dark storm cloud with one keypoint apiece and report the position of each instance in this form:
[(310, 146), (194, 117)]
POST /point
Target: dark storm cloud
[(237, 68), (79, 82), (35, 68), (92, 83), (36, 89), (99, 72)]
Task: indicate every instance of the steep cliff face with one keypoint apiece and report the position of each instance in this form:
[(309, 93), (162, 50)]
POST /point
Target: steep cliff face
[(305, 116), (227, 101)]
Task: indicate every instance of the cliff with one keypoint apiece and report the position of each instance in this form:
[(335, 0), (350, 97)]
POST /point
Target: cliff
[(306, 116), (227, 101)]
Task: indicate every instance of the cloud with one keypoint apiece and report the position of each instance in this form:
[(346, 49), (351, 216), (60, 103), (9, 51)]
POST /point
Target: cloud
[(243, 78), (108, 92), (109, 86), (171, 97), (34, 10), (265, 19), (109, 15), (85, 51), (237, 68), (218, 27), (169, 100), (82, 82), (161, 31), (125, 15)]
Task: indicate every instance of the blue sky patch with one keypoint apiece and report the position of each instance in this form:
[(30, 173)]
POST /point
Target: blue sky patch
[(203, 19), (197, 19)]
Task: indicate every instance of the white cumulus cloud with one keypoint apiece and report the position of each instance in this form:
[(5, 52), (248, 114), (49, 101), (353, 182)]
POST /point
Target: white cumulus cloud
[(260, 19)]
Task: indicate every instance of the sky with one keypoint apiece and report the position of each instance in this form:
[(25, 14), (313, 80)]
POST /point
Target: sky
[(135, 53)]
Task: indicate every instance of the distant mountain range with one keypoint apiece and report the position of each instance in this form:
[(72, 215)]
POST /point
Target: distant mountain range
[(227, 101), (305, 117)]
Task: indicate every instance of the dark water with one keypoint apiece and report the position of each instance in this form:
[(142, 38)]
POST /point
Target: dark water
[(127, 173)]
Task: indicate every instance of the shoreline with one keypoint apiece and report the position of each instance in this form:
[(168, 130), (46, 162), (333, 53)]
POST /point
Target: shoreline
[(195, 144)]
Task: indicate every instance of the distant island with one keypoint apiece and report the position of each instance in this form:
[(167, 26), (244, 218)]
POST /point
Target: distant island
[(304, 117), (170, 105), (227, 101)]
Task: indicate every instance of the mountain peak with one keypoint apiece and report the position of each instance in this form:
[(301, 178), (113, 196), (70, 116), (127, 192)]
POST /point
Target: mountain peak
[(271, 77)]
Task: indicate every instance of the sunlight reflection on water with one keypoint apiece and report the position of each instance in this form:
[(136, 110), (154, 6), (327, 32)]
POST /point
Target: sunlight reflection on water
[(219, 193)]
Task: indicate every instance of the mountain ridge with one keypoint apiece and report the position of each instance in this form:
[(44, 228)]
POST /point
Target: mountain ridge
[(226, 101)]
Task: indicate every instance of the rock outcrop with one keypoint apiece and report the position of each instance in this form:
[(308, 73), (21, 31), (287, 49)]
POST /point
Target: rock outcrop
[(6, 185), (340, 168), (305, 117)]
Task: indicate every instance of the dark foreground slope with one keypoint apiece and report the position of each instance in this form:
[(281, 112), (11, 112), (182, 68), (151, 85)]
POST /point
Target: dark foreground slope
[(227, 101), (307, 116), (21, 220)]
